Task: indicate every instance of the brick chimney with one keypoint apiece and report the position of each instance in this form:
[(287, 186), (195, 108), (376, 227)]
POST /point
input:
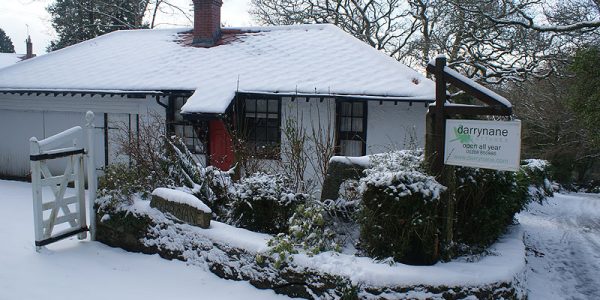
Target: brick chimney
[(207, 22), (29, 44)]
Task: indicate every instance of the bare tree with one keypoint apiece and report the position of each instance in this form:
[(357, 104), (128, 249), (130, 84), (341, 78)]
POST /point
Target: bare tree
[(566, 16), (478, 37)]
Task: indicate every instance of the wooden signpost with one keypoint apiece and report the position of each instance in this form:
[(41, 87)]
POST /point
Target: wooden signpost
[(444, 110)]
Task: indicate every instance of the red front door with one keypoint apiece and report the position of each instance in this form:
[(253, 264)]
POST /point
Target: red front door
[(220, 145)]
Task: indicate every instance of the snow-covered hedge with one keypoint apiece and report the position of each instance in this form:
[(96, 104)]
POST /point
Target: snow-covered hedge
[(486, 203), (263, 202), (399, 215)]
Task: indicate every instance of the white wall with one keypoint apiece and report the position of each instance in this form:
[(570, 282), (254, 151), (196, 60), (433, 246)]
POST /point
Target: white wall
[(390, 126), (394, 126), (24, 116), (317, 120), (14, 140)]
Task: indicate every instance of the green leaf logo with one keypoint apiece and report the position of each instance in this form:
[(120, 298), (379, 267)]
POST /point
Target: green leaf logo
[(463, 138)]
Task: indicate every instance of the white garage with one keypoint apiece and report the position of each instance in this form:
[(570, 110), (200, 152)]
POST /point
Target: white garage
[(24, 114)]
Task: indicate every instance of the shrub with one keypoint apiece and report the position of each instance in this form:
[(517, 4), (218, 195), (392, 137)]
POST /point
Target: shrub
[(539, 173), (158, 160), (307, 231), (208, 183), (486, 202), (264, 203), (121, 181), (399, 215)]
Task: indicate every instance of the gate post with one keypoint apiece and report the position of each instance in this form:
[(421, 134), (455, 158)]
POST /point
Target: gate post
[(77, 161), (91, 172), (34, 149)]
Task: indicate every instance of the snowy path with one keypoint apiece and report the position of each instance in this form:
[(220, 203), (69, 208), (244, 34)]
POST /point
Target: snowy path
[(73, 269), (563, 247)]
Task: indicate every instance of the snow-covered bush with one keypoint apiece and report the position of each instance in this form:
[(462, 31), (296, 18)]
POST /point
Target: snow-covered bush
[(399, 215), (539, 173), (264, 202), (402, 160), (307, 232), (121, 181), (487, 200), (157, 160), (486, 203), (348, 202)]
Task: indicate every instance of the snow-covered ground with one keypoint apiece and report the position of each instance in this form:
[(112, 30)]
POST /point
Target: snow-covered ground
[(563, 247), (562, 236), (73, 269)]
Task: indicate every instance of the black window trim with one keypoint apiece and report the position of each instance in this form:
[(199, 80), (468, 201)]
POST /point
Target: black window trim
[(172, 122), (241, 103), (339, 135)]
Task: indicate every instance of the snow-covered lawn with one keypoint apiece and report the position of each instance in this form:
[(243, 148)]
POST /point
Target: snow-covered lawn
[(562, 237), (73, 269), (563, 241)]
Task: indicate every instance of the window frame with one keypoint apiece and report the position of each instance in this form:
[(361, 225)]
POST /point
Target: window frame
[(272, 147), (350, 135), (173, 123)]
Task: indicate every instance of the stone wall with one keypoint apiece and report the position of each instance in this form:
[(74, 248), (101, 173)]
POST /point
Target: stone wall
[(137, 233)]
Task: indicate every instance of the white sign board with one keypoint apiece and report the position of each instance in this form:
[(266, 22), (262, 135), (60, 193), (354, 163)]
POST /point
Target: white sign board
[(483, 144)]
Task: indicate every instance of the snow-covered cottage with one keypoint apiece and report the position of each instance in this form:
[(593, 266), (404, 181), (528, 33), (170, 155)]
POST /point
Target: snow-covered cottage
[(197, 78)]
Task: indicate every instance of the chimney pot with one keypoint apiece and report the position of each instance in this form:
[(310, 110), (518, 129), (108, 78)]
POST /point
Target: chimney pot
[(207, 22)]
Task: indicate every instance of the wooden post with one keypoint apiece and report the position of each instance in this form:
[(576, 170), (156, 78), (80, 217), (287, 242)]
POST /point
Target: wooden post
[(77, 161), (36, 173), (439, 125), (434, 146)]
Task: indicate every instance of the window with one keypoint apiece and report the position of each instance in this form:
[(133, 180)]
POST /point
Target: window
[(262, 119), (194, 135), (351, 127)]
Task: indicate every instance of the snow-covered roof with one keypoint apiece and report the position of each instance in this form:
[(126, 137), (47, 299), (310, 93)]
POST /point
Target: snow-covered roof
[(309, 59), (8, 59)]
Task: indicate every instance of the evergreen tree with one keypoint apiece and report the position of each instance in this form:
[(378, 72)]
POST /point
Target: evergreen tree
[(585, 90), (79, 20), (6, 45)]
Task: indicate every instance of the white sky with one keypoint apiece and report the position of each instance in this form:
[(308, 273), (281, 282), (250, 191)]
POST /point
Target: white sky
[(15, 15)]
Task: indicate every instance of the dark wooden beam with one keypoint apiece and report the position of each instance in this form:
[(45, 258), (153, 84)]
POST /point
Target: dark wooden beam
[(480, 92), (473, 110)]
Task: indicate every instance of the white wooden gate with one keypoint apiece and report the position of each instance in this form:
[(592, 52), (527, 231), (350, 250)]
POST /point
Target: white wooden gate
[(62, 209)]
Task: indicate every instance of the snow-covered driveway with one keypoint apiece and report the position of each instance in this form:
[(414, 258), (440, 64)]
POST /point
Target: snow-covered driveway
[(73, 269), (563, 247)]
